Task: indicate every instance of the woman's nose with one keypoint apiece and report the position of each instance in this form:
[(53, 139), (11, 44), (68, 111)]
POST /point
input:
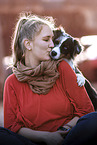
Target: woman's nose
[(51, 44)]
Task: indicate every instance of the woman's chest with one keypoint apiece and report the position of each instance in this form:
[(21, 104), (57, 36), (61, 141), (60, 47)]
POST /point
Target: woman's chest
[(55, 103)]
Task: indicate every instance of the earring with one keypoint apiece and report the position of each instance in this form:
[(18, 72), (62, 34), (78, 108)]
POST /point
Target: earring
[(29, 48)]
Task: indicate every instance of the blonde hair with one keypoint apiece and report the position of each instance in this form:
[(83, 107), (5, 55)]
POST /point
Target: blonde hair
[(27, 26)]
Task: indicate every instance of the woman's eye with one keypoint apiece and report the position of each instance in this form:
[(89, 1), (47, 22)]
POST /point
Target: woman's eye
[(46, 40)]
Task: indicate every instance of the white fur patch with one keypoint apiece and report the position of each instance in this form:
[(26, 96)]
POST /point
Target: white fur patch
[(57, 50)]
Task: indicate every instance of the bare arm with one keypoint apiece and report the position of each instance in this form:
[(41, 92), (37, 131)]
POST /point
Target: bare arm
[(42, 136), (35, 136)]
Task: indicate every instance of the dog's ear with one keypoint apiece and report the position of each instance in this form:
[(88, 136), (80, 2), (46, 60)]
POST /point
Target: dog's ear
[(77, 47), (58, 32)]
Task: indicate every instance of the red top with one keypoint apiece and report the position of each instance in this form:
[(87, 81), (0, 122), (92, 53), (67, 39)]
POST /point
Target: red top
[(23, 108)]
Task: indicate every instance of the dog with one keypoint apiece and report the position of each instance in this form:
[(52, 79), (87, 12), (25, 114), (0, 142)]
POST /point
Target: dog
[(67, 47), (64, 44)]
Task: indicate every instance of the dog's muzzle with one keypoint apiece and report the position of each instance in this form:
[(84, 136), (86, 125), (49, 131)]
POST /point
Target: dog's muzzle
[(55, 53)]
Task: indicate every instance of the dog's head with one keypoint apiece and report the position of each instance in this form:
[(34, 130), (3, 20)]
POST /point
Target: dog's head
[(64, 45)]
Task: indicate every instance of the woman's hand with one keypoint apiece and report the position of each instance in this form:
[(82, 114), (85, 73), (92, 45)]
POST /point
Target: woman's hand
[(50, 138), (54, 138), (63, 133)]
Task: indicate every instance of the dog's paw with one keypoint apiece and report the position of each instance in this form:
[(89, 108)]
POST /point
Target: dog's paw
[(80, 80)]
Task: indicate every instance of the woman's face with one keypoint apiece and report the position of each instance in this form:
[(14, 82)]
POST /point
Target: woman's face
[(42, 44)]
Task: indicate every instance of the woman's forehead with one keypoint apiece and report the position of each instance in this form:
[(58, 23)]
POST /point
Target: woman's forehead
[(46, 31)]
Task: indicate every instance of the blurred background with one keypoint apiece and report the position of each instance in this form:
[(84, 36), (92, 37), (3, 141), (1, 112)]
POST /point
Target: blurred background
[(78, 17)]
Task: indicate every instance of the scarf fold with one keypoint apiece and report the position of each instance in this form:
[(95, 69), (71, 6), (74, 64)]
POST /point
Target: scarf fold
[(40, 79)]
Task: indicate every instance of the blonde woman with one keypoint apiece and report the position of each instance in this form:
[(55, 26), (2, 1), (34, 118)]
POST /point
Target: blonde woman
[(42, 101)]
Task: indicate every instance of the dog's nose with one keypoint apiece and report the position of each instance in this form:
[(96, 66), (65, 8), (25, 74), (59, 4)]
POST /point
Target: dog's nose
[(53, 53)]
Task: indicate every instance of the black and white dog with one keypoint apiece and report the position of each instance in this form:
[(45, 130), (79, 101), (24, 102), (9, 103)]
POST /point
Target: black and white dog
[(64, 44), (68, 47)]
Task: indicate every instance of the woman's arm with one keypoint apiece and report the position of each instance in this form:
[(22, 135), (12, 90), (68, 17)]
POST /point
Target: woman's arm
[(50, 138), (10, 105), (35, 136), (77, 95)]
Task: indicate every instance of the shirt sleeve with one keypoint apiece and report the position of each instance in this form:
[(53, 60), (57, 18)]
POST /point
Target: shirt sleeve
[(77, 95), (11, 108)]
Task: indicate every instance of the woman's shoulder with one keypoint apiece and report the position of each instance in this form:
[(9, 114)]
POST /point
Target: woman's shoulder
[(65, 70), (11, 79), (64, 65)]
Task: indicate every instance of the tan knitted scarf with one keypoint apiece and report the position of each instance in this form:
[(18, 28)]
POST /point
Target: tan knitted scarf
[(40, 79)]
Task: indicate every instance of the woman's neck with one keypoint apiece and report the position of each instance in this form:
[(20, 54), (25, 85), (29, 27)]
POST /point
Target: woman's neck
[(31, 61)]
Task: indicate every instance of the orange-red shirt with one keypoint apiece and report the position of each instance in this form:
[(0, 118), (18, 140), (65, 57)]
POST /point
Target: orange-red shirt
[(23, 108)]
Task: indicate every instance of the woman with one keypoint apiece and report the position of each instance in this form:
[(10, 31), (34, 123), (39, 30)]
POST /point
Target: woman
[(38, 96)]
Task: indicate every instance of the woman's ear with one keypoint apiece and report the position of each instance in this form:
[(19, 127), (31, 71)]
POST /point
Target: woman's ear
[(27, 44)]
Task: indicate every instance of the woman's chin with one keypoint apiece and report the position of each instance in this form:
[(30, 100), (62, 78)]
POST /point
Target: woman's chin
[(47, 58)]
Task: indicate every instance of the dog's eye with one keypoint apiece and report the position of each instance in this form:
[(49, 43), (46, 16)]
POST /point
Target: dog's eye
[(56, 42)]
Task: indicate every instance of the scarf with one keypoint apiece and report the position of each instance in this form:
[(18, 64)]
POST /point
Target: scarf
[(40, 79)]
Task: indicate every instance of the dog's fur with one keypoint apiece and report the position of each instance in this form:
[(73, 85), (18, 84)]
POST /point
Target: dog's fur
[(67, 47), (64, 44)]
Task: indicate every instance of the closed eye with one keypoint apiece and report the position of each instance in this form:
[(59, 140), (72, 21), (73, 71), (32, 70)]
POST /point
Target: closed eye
[(46, 40)]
